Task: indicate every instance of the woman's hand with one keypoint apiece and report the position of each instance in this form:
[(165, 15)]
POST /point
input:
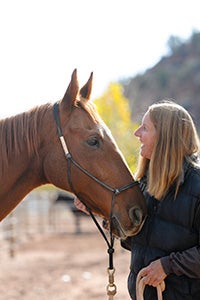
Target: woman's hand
[(153, 274), (80, 206)]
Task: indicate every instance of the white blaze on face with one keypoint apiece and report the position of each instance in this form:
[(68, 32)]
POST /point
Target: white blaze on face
[(103, 129)]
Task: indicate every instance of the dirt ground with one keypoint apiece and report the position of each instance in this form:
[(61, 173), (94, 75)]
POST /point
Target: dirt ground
[(63, 266)]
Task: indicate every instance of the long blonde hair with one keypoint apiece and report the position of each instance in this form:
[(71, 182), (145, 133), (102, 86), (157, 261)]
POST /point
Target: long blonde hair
[(176, 141)]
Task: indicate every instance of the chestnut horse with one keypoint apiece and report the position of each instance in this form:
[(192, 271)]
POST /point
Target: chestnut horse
[(31, 155)]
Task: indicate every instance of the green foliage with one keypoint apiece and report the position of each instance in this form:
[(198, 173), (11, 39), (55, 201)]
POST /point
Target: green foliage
[(114, 110)]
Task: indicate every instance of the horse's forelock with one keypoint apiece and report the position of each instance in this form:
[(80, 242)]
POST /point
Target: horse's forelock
[(90, 108)]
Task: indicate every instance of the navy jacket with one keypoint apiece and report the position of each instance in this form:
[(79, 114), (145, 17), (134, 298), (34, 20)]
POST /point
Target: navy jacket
[(171, 232)]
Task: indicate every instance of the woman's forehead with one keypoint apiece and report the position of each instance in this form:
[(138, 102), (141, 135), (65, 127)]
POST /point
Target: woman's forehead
[(146, 118)]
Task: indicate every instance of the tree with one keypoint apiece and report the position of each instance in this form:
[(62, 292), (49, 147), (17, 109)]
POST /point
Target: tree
[(114, 110), (174, 43)]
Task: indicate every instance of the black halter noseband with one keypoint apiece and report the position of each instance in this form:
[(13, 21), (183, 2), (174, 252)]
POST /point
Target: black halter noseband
[(115, 191)]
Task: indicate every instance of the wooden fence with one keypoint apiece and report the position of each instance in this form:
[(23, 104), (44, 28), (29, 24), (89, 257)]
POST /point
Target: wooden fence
[(35, 216)]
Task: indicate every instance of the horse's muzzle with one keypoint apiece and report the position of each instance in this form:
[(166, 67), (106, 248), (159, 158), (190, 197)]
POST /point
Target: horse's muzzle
[(137, 219), (136, 216)]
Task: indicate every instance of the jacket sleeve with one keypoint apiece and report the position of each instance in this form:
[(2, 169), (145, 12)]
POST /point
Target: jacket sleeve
[(183, 263), (186, 262)]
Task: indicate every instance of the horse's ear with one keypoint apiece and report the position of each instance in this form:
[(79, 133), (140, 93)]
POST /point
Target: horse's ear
[(86, 90), (72, 90)]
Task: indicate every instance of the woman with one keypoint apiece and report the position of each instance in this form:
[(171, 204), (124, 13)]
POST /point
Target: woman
[(168, 246)]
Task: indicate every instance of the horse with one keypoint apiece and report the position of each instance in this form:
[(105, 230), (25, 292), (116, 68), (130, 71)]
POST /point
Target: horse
[(67, 200), (68, 145)]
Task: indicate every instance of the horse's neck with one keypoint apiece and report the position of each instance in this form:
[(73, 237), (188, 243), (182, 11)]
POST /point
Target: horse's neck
[(19, 173), (20, 180)]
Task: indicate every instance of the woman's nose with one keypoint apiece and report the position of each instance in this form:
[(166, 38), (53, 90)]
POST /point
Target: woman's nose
[(137, 132)]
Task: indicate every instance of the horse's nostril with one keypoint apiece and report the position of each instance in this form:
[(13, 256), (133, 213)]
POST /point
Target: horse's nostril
[(135, 215), (105, 224)]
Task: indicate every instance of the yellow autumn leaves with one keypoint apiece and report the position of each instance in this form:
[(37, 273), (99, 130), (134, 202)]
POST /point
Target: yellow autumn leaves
[(114, 109)]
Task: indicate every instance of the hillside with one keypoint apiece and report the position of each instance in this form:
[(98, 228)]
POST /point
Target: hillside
[(176, 77)]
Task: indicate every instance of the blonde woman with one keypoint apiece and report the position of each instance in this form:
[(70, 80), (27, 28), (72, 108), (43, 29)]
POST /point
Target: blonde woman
[(168, 246)]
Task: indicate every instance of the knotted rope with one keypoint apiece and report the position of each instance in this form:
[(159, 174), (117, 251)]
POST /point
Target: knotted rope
[(140, 285)]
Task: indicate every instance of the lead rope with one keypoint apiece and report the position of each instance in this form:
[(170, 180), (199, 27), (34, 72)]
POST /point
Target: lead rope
[(140, 286), (111, 287)]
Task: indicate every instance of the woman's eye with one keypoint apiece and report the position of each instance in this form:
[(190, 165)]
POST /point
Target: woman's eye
[(94, 141), (144, 128)]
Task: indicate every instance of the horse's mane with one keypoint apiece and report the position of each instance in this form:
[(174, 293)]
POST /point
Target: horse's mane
[(21, 131)]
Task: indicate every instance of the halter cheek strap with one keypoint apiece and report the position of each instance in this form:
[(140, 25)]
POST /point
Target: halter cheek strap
[(60, 134)]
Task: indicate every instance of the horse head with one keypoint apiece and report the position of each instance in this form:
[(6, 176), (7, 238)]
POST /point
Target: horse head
[(97, 169)]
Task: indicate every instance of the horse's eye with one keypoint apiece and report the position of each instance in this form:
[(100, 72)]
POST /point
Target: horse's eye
[(94, 142)]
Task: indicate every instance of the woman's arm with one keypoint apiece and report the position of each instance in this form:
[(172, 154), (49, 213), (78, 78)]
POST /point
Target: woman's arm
[(186, 262), (180, 263), (183, 263)]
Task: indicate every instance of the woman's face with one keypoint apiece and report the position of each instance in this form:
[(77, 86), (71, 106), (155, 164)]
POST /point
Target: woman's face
[(147, 135)]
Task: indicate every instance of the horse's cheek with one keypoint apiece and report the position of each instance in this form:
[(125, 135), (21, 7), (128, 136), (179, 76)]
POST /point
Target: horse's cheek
[(53, 167)]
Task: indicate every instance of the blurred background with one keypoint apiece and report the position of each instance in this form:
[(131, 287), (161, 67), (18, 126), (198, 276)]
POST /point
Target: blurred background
[(140, 52)]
